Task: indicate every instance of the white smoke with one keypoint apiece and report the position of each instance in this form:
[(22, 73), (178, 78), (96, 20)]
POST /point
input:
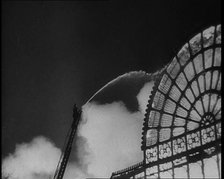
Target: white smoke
[(37, 160), (143, 96), (112, 136), (33, 160)]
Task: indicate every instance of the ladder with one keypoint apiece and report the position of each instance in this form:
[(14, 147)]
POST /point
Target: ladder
[(60, 170)]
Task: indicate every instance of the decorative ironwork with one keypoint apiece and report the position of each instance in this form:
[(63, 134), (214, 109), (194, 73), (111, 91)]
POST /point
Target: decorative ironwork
[(182, 124)]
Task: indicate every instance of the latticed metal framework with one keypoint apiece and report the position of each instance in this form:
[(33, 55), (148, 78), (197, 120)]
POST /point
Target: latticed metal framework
[(182, 124)]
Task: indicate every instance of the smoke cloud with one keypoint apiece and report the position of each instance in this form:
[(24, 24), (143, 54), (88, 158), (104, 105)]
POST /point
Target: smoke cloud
[(113, 134), (143, 96), (38, 160), (33, 160), (108, 139)]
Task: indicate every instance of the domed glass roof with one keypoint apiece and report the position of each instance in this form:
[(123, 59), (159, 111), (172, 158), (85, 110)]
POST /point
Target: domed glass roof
[(181, 135), (188, 93)]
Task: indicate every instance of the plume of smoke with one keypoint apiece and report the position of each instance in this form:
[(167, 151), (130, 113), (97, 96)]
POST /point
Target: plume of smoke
[(33, 160), (113, 135), (109, 139), (143, 96), (38, 160)]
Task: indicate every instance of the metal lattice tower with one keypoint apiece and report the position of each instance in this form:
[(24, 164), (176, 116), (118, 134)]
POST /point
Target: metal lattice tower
[(59, 173)]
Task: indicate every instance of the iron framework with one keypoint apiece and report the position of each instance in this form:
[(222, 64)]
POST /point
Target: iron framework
[(182, 124)]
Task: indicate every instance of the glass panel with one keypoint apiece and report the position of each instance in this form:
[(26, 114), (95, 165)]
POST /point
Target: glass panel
[(218, 116), (181, 81), (151, 137), (140, 176), (198, 63), (152, 171), (158, 100), (218, 34), (179, 145), (184, 102), (178, 131), (195, 170), (190, 95), (181, 112), (154, 117), (219, 156), (165, 166), (208, 36), (165, 84), (217, 61), (184, 54), (165, 151), (166, 120), (208, 135), (211, 170), (201, 83), (213, 98), (179, 121), (189, 71), (166, 174), (215, 78), (175, 93), (180, 173), (218, 105), (192, 125), (208, 58), (195, 89), (173, 68), (208, 80), (194, 116), (193, 140), (164, 134), (151, 154), (169, 106), (198, 106), (219, 82), (218, 129), (205, 100), (195, 43)]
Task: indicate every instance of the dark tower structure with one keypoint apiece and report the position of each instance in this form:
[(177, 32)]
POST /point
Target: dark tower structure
[(182, 124), (59, 173)]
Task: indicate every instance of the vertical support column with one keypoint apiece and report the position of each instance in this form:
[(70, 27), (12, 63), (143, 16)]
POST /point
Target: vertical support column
[(158, 172), (217, 160), (144, 165), (203, 168), (188, 167), (173, 175), (158, 154), (218, 167), (202, 160), (172, 155)]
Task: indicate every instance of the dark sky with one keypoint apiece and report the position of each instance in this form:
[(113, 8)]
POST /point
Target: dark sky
[(55, 54)]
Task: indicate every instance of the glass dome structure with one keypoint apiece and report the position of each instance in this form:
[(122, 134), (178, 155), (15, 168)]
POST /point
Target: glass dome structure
[(182, 124)]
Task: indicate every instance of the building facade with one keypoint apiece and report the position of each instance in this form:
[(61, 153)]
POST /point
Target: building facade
[(181, 135)]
